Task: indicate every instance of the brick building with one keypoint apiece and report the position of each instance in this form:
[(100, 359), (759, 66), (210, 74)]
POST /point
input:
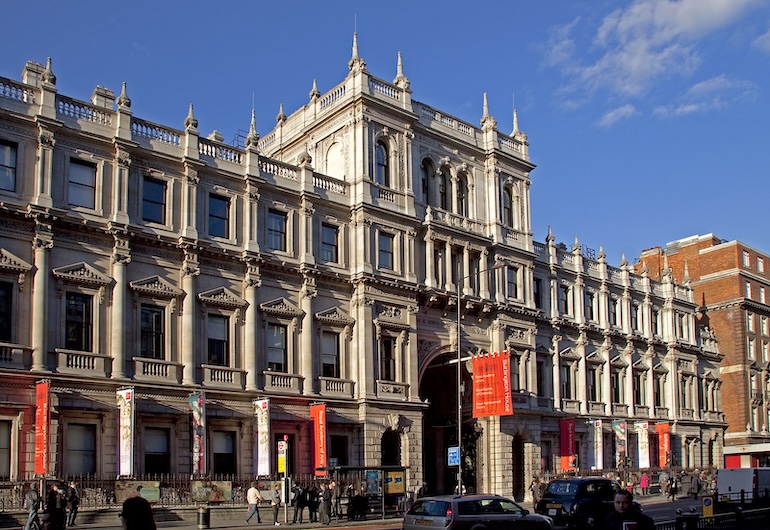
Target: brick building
[(730, 282)]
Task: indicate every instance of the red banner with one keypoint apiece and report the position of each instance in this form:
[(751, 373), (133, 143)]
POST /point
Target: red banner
[(664, 443), (42, 425), (492, 385), (568, 450), (318, 417)]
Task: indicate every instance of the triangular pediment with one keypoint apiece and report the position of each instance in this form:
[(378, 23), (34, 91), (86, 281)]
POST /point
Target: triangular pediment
[(618, 361), (333, 316), (223, 297), (281, 307), (640, 365), (569, 354), (155, 286), (594, 358), (81, 273), (11, 262), (658, 367)]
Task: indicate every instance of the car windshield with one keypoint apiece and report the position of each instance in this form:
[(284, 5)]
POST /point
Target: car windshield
[(429, 507), (563, 487), (488, 507)]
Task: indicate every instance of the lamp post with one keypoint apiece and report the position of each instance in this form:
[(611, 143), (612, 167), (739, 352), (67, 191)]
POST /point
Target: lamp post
[(460, 282)]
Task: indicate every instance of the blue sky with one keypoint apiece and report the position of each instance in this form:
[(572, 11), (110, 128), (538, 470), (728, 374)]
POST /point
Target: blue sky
[(648, 119)]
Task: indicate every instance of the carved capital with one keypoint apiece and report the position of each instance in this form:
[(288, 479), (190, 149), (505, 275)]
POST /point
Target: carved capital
[(46, 139)]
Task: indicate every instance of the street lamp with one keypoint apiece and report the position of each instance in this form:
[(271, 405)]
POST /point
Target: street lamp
[(460, 282)]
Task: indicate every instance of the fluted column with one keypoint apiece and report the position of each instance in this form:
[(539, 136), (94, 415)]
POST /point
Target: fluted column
[(251, 327), (190, 270), (42, 244), (120, 258), (556, 373), (307, 294)]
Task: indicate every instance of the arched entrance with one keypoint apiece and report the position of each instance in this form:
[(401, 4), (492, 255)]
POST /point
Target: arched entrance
[(438, 385), (390, 448)]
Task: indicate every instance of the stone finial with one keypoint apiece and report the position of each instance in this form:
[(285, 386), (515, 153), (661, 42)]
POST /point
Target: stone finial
[(356, 62), (576, 244), (48, 76), (401, 80), (686, 280), (487, 121), (124, 101), (645, 270), (623, 261), (314, 93), (304, 158), (281, 117), (515, 122), (253, 137), (550, 238), (190, 122), (602, 254)]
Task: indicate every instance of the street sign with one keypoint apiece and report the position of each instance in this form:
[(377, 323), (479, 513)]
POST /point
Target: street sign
[(282, 457), (453, 456)]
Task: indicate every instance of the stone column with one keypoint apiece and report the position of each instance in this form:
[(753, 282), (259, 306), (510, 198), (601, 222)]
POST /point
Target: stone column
[(42, 244), (306, 356), (464, 276), (484, 276), (448, 284), (44, 168), (430, 268), (251, 327), (120, 258), (190, 269), (556, 368)]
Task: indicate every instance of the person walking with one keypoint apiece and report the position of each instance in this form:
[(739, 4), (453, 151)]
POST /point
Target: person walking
[(324, 501), (275, 502), (534, 489), (625, 513), (32, 504), (644, 483), (673, 486), (253, 498), (73, 501), (335, 500), (300, 501), (312, 503), (695, 485)]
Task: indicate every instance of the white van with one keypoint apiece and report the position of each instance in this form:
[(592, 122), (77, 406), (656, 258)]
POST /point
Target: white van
[(754, 482)]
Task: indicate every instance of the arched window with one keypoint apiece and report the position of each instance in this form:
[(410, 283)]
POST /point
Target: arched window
[(462, 195), (426, 173), (382, 171), (507, 208), (442, 189)]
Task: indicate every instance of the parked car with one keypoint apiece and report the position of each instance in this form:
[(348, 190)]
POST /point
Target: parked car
[(479, 512), (579, 502)]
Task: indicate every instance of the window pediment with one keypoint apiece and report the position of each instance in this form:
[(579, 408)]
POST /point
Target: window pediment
[(618, 362), (640, 365), (333, 316), (222, 297), (82, 273), (281, 307), (594, 358), (393, 326), (658, 367), (11, 262), (569, 354), (155, 286)]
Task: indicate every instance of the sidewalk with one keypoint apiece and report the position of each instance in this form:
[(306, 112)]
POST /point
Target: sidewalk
[(241, 524)]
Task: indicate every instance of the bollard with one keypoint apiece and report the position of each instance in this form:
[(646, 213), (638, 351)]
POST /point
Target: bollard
[(204, 517)]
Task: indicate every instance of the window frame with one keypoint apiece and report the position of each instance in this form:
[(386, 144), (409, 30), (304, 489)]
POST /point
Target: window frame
[(89, 340), (67, 460), (330, 248), (215, 218), (11, 171), (7, 320), (227, 342), (169, 458), (512, 273), (383, 253), (382, 164), (284, 351), (277, 238), (157, 308), (148, 179), (95, 196), (335, 355), (387, 361)]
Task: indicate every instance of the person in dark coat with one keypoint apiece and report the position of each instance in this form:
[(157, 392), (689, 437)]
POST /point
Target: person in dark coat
[(300, 502), (625, 512), (313, 503), (32, 503), (73, 501), (137, 514)]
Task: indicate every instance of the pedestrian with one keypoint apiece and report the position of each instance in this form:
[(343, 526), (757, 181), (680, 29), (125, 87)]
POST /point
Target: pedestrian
[(663, 481), (673, 486), (300, 501), (422, 492), (312, 503), (32, 505), (534, 489), (253, 498), (73, 501), (695, 485), (644, 483), (625, 513), (335, 500), (137, 514), (324, 501), (275, 502)]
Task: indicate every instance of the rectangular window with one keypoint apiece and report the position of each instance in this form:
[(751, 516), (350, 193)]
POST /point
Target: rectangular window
[(638, 388), (219, 216), (512, 282), (746, 259), (540, 375), (592, 391), (385, 251), (6, 312), (655, 317), (613, 311), (223, 451), (749, 322), (81, 449), (5, 449), (152, 335), (330, 354), (156, 455), (590, 307), (762, 295), (565, 307), (154, 200), (81, 188), (657, 390), (276, 230), (78, 323), (387, 359), (765, 351), (276, 348), (329, 245), (8, 152), (760, 264), (634, 317), (748, 290), (750, 348), (338, 448), (566, 381), (615, 385), (218, 340), (537, 293), (682, 329)]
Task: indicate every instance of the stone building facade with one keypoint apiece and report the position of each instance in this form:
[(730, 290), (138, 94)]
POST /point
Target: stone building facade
[(321, 262), (730, 281)]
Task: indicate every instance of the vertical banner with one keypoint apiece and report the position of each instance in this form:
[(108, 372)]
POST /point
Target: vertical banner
[(492, 385), (318, 417), (126, 414), (262, 436), (42, 425), (198, 408), (664, 444), (621, 454), (596, 453), (643, 443), (568, 446)]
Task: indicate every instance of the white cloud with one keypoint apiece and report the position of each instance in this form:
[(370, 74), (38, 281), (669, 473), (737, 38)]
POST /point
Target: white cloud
[(712, 94), (621, 113), (636, 46), (763, 42)]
